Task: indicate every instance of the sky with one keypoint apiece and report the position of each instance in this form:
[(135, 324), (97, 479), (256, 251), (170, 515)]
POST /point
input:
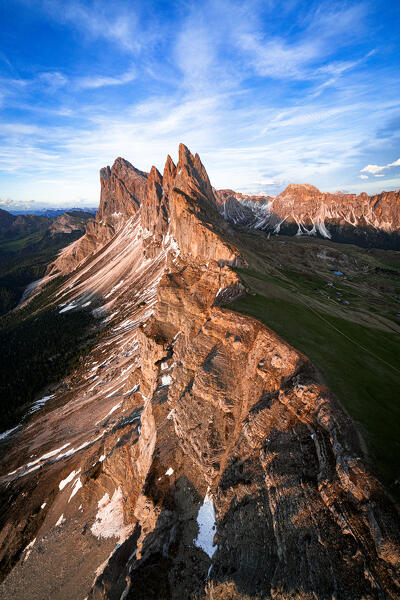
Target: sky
[(267, 92)]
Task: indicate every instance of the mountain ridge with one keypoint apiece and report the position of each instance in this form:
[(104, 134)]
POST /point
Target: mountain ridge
[(186, 408), (302, 209)]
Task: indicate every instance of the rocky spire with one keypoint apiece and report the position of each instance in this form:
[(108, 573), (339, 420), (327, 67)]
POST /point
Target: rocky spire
[(123, 189)]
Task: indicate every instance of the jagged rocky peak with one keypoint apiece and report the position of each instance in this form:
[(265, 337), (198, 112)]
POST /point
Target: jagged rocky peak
[(192, 448), (123, 189), (302, 209), (191, 176), (182, 203), (169, 173)]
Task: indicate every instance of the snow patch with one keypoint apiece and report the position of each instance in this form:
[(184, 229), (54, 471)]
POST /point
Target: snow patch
[(110, 518), (77, 487), (29, 548), (7, 433), (207, 526), (68, 479), (165, 380), (68, 307), (113, 409), (323, 230), (60, 520), (169, 472), (115, 288), (39, 403)]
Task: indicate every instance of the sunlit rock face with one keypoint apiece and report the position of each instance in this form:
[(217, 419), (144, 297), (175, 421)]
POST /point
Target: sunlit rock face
[(192, 453), (304, 210)]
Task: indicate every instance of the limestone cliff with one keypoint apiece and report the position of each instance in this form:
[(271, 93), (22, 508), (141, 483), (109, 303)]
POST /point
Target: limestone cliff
[(193, 453), (305, 210)]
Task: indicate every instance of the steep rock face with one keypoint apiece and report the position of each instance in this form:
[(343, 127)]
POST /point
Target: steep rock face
[(304, 203), (193, 451), (304, 210), (123, 188)]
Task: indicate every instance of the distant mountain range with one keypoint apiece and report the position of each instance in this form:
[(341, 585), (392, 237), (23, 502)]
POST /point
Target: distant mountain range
[(27, 243), (303, 210), (17, 207)]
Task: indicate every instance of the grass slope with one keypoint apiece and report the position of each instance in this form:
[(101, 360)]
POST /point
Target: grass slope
[(346, 324)]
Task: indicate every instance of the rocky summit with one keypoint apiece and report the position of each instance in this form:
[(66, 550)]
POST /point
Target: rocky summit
[(191, 453), (370, 221)]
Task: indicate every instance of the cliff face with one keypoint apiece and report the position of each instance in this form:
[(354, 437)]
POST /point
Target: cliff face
[(123, 188), (304, 210), (193, 454)]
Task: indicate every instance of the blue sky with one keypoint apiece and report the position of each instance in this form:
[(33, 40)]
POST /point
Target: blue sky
[(266, 92)]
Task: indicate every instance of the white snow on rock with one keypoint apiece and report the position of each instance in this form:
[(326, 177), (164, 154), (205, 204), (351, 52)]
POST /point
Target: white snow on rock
[(169, 472), (39, 403), (77, 487), (43, 505), (116, 287), (7, 433), (112, 410), (60, 520), (68, 307), (29, 548), (110, 518), (207, 526), (166, 380), (39, 460), (68, 479)]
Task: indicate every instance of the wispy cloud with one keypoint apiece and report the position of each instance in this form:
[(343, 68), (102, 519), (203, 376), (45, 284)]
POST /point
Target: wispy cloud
[(98, 81), (112, 21), (265, 96)]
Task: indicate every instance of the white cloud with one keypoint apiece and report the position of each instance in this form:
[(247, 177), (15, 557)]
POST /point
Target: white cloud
[(363, 176), (53, 80), (374, 169), (98, 81)]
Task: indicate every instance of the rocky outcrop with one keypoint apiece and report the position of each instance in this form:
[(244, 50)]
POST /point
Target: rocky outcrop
[(304, 210), (123, 188), (193, 453)]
